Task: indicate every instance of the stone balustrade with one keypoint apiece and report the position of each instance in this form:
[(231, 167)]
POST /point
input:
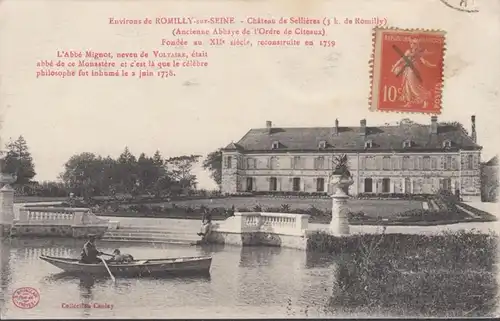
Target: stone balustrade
[(255, 228), (57, 221), (57, 216)]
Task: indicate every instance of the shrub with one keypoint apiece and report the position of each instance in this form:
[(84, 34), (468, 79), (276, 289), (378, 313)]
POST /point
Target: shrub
[(451, 274)]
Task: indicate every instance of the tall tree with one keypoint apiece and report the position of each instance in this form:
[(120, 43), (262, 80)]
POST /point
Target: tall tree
[(213, 163), (80, 173), (147, 172), (127, 172), (180, 168), (18, 161)]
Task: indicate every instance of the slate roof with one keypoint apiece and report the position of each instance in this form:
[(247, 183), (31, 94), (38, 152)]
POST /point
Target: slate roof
[(384, 138)]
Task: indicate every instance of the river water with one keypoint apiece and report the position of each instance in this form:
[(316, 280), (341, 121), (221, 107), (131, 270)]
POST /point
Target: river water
[(249, 282)]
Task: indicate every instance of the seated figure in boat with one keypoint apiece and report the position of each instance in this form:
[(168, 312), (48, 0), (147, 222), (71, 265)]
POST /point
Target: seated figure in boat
[(206, 224), (118, 257), (89, 252)]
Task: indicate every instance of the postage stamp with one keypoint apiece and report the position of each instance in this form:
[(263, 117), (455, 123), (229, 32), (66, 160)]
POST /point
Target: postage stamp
[(407, 70), (26, 298)]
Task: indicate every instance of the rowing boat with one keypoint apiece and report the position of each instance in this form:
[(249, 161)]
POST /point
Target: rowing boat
[(151, 267)]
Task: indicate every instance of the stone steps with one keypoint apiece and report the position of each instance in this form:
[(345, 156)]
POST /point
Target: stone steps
[(152, 229)]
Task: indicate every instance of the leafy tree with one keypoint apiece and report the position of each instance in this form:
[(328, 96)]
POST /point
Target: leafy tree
[(18, 161), (179, 168), (213, 163), (80, 173)]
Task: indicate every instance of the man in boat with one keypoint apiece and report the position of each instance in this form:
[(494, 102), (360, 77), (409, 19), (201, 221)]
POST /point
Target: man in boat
[(89, 252), (118, 257), (206, 223)]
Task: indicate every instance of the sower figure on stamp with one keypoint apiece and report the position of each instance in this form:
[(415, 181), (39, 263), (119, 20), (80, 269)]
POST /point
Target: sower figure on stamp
[(90, 252), (412, 90)]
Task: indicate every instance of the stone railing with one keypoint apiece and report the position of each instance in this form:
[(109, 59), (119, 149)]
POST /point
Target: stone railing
[(57, 216), (275, 223)]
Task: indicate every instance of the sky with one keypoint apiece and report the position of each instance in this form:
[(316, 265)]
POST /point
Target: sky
[(202, 109)]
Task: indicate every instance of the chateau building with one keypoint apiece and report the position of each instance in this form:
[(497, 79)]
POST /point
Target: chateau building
[(405, 158)]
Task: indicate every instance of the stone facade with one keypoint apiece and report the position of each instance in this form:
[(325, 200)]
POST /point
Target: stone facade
[(379, 165), (489, 180)]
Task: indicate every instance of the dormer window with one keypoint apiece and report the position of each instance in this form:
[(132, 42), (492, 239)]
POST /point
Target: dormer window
[(322, 144), (275, 145), (368, 144), (407, 143), (447, 144)]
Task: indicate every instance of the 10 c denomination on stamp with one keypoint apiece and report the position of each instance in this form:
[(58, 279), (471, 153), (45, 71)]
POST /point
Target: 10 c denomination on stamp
[(407, 70), (26, 298)]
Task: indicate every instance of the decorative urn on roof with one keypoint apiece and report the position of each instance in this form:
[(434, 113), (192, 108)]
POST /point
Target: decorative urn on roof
[(340, 180)]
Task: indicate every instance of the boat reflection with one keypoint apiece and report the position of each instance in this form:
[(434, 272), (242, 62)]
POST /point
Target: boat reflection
[(91, 280)]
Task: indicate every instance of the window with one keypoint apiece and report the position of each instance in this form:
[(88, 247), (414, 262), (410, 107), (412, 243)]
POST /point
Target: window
[(322, 144), (406, 163), (319, 163), (386, 185), (446, 144), (275, 145), (320, 184), (395, 163), (427, 163), (251, 163), (417, 163), (228, 160), (370, 162), (368, 185), (273, 184), (274, 162), (417, 187), (434, 163), (386, 163), (249, 184), (447, 162), (368, 144), (407, 144), (445, 183), (470, 160), (363, 162), (296, 162), (296, 184), (407, 185)]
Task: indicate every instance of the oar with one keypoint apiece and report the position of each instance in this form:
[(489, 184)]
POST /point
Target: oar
[(106, 254), (107, 268)]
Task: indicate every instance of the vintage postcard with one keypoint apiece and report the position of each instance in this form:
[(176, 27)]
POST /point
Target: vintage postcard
[(249, 159)]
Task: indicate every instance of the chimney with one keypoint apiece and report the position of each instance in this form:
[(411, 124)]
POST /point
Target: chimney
[(336, 128), (269, 126), (473, 134), (434, 125), (362, 124)]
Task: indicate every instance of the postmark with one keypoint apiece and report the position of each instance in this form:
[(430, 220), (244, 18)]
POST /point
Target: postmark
[(407, 70), (26, 298), (469, 6)]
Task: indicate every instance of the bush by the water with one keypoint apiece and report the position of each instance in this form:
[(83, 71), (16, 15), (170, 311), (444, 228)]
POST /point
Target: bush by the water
[(450, 274)]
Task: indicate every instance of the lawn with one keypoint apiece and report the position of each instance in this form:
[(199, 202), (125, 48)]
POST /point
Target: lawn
[(382, 208)]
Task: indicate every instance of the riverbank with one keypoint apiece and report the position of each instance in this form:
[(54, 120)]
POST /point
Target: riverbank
[(452, 274)]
